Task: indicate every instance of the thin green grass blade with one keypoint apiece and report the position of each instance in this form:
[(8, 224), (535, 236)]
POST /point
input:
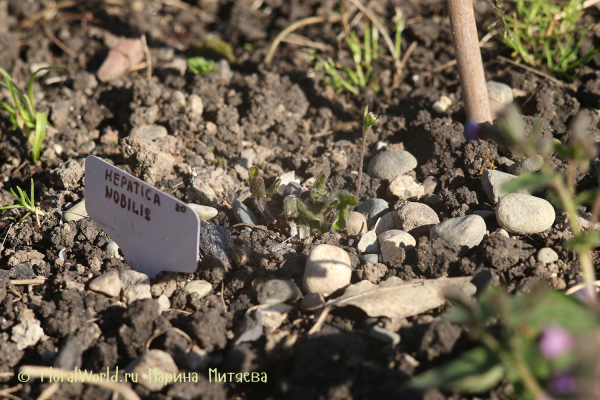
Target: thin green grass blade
[(41, 122), (30, 84)]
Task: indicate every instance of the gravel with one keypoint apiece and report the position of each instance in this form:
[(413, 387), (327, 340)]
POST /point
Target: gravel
[(527, 165), (462, 231), (201, 287), (278, 291), (368, 243), (405, 187), (388, 164), (135, 286), (524, 214), (328, 268), (373, 209), (394, 245), (357, 223), (416, 218), (492, 182), (108, 284)]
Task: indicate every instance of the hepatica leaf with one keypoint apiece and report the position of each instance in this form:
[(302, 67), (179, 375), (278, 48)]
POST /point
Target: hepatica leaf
[(342, 199)]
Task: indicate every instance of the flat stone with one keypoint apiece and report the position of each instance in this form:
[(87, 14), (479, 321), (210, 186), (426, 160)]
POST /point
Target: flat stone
[(201, 287), (492, 182), (405, 187), (430, 184), (312, 302), (159, 362), (373, 209), (328, 268), (371, 258), (388, 164), (135, 286), (395, 244), (108, 284), (150, 132), (215, 242), (368, 243), (462, 231), (277, 291), (76, 212), (546, 255), (357, 223), (243, 214), (112, 249), (204, 212), (416, 218), (524, 214), (27, 333), (163, 303), (527, 165)]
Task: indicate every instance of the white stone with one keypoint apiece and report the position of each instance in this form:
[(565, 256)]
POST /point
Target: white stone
[(76, 212), (273, 315), (160, 362), (27, 333), (547, 255), (442, 104), (385, 223), (461, 231), (368, 243), (405, 187), (195, 104), (524, 214), (328, 268), (492, 182), (416, 216), (201, 287), (394, 245), (112, 249), (204, 212), (136, 286), (108, 284), (163, 303), (357, 223)]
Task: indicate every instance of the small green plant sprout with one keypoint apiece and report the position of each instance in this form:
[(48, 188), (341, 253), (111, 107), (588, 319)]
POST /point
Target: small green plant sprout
[(257, 188), (544, 33), (311, 216), (24, 115), (531, 341), (509, 131), (27, 203), (202, 66), (353, 79), (369, 119)]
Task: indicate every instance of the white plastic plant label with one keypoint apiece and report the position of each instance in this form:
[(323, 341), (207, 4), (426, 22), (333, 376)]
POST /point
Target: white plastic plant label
[(155, 231)]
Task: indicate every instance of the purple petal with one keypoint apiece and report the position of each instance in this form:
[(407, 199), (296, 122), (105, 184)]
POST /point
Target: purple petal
[(563, 384), (555, 341), (473, 130)]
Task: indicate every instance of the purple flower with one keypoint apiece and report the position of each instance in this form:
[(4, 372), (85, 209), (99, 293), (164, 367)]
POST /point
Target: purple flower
[(473, 130), (545, 397), (555, 341), (563, 384)]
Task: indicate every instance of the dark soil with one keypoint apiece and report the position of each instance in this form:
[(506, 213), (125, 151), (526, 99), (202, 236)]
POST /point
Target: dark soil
[(294, 122)]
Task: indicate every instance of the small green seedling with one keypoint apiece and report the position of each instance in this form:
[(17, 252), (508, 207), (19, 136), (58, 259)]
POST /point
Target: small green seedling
[(202, 66), (25, 116), (541, 32), (27, 203), (311, 215)]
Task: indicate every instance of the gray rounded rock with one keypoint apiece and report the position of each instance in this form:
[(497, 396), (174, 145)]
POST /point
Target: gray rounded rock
[(416, 218), (243, 214), (277, 291), (546, 255), (200, 286), (462, 231), (524, 214), (391, 163), (527, 165), (492, 182), (373, 209)]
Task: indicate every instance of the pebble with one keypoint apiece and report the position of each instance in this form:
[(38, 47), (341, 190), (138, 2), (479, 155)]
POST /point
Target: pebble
[(391, 163), (384, 335), (215, 242), (546, 255), (527, 165), (108, 284), (371, 258), (292, 189), (112, 249), (380, 146), (524, 214), (76, 212), (271, 316), (328, 268), (312, 302), (492, 182), (87, 147), (155, 362), (163, 303), (462, 231), (405, 187), (373, 209), (277, 291), (368, 243), (501, 232), (357, 223), (201, 287), (430, 184), (442, 104), (243, 214), (287, 179), (178, 98), (150, 132), (204, 212), (394, 245), (416, 218), (195, 104), (385, 223), (135, 286), (499, 95), (27, 333)]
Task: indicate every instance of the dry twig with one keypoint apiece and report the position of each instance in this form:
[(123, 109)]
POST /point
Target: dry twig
[(535, 71), (57, 42)]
